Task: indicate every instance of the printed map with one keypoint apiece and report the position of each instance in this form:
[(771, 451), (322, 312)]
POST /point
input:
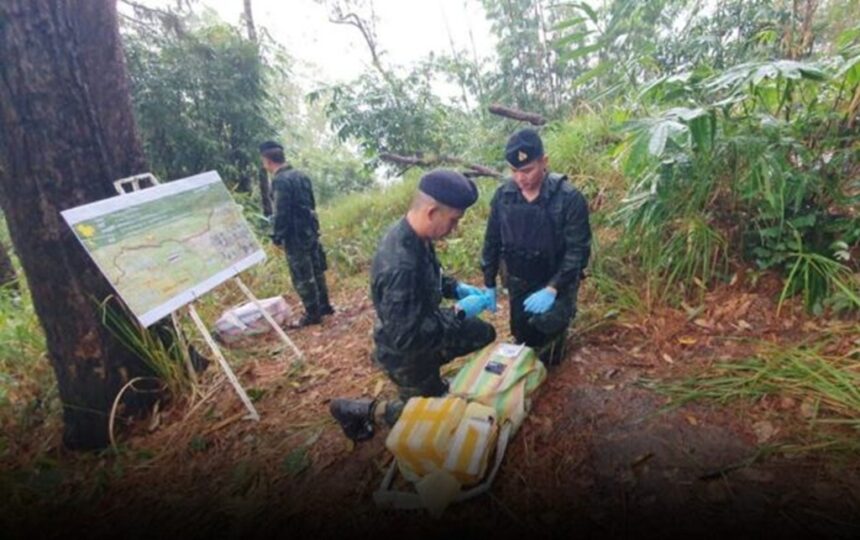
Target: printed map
[(164, 246)]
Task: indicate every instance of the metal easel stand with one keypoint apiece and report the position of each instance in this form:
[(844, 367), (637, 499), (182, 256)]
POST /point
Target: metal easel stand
[(385, 497), (278, 330), (135, 184), (228, 371)]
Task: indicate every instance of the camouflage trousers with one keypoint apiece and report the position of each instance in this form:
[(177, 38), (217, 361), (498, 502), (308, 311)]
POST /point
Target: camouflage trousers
[(419, 374), (546, 333), (307, 265)]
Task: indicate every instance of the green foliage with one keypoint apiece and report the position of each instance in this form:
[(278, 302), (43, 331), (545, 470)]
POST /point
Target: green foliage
[(22, 342), (28, 392), (624, 43), (396, 115), (761, 165), (334, 171), (530, 73), (200, 98)]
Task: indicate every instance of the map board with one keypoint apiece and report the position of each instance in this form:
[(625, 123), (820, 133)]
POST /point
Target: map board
[(164, 246)]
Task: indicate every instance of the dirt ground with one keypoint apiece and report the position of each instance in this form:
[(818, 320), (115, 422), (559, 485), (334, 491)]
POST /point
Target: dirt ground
[(599, 455)]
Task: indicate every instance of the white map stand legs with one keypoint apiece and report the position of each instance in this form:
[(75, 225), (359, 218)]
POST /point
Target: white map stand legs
[(275, 326), (252, 412), (134, 182)]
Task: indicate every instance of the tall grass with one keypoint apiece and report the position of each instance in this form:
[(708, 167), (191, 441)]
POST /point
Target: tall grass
[(826, 385), (22, 343), (28, 391), (160, 348)]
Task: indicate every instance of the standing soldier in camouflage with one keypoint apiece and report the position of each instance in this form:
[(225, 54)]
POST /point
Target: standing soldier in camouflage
[(296, 230), (413, 334), (538, 226)]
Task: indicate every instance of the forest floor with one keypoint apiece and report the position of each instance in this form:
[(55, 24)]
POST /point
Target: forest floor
[(600, 454)]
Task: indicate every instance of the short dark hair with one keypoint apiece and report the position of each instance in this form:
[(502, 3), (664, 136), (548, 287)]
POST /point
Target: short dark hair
[(275, 155)]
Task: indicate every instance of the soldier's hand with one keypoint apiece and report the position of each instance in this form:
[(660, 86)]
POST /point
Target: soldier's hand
[(472, 305), (464, 289), (540, 301), (490, 295)]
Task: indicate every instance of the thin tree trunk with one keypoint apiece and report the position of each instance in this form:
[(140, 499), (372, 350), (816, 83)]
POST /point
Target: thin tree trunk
[(8, 278), (265, 192), (66, 132), (249, 21)]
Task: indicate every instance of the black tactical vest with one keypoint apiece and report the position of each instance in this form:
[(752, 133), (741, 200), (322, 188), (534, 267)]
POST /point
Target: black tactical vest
[(529, 243)]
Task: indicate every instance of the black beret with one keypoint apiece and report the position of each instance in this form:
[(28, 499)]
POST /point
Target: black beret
[(270, 145), (523, 147), (449, 188)]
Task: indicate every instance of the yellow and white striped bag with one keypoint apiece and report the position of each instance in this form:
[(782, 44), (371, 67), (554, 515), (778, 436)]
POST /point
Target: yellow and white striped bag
[(472, 443), (501, 376), (420, 439)]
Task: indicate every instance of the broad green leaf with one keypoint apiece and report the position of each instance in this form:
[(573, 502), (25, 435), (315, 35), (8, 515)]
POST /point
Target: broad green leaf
[(588, 11), (847, 37), (601, 68), (568, 23), (851, 71), (803, 221), (702, 131), (581, 51), (571, 38), (685, 113), (662, 132)]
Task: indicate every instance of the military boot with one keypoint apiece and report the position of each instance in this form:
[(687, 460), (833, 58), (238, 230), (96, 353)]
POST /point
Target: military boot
[(307, 320), (355, 417)]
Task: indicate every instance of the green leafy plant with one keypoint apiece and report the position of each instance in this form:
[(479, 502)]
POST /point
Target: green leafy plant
[(160, 348)]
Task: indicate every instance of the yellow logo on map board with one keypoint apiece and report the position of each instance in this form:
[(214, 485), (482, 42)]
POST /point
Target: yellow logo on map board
[(86, 231)]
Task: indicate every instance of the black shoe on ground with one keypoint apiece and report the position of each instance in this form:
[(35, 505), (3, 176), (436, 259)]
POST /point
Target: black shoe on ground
[(354, 417), (307, 320), (327, 310)]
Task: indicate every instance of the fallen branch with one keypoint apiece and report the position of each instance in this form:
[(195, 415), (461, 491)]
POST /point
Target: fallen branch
[(516, 114), (436, 161)]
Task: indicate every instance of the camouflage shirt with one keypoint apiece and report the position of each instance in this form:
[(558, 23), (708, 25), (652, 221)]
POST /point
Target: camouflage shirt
[(567, 235), (407, 286), (296, 221)]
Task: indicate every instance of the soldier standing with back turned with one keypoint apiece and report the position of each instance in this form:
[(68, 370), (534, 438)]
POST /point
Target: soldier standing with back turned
[(296, 230)]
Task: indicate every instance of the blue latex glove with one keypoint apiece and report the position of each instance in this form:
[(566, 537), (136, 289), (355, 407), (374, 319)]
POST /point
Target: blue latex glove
[(490, 294), (472, 305), (541, 301), (464, 289)]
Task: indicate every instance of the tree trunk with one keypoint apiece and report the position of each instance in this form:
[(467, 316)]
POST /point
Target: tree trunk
[(66, 132), (265, 192), (7, 271), (249, 21), (244, 184)]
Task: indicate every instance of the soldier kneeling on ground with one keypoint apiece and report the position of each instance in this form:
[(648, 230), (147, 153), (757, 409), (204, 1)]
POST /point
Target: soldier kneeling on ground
[(413, 335)]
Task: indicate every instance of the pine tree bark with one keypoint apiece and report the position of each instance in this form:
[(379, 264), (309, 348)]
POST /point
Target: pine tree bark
[(66, 132)]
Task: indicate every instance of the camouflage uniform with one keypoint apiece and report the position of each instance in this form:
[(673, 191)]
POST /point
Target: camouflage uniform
[(297, 230), (545, 242), (413, 335)]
